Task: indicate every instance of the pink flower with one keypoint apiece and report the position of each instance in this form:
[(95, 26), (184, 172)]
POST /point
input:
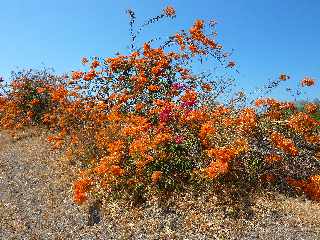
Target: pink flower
[(188, 103), (165, 115), (177, 86), (179, 139)]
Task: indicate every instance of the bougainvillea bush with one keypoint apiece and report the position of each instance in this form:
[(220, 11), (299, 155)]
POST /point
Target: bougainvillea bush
[(146, 122), (26, 98)]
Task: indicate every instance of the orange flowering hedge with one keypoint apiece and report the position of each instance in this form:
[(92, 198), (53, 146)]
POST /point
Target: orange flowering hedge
[(146, 121), (26, 99)]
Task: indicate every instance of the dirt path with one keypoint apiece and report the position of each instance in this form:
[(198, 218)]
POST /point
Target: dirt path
[(35, 197), (36, 203)]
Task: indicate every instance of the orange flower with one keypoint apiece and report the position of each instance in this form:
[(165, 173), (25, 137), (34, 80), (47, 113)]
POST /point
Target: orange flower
[(30, 114), (170, 11), (95, 64), (267, 101), (222, 154), (189, 96), (271, 158), (284, 77), (161, 138), (311, 186), (217, 168), (155, 177), (259, 102), (197, 34), (273, 114), (116, 170), (231, 64), (139, 146), (283, 143), (102, 168), (206, 87), (41, 90), (287, 105), (193, 48), (307, 81), (153, 88), (247, 119), (196, 29), (268, 177), (59, 93), (35, 101), (313, 139), (206, 129), (80, 188), (79, 197), (241, 145), (90, 75), (310, 108), (180, 41), (302, 122), (84, 60), (77, 75), (139, 106)]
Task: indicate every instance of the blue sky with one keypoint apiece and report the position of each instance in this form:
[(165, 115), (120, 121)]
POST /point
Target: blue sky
[(269, 37)]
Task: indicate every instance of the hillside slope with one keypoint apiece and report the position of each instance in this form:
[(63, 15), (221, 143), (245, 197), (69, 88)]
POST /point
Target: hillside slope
[(36, 203)]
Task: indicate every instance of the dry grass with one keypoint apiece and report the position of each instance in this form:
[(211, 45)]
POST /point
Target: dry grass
[(36, 203)]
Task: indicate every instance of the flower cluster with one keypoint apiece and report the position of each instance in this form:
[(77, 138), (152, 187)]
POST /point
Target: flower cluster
[(80, 188), (307, 81), (170, 11), (310, 187), (284, 143)]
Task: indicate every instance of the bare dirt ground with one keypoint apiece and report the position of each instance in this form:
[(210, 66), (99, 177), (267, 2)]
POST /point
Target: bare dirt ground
[(36, 203)]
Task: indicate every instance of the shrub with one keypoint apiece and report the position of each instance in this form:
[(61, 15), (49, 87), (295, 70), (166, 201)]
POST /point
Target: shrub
[(26, 99), (145, 122)]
